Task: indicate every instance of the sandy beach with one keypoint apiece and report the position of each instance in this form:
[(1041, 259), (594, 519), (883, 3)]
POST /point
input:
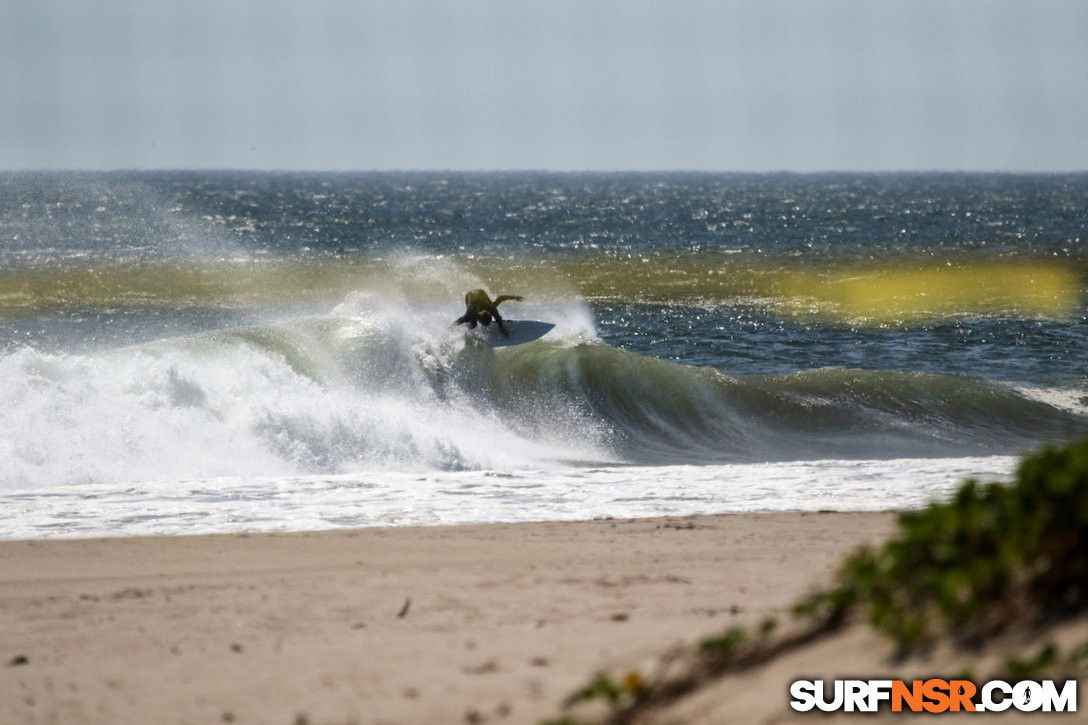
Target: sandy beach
[(491, 623)]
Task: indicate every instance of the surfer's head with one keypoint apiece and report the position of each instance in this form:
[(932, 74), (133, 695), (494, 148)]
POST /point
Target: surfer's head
[(485, 318)]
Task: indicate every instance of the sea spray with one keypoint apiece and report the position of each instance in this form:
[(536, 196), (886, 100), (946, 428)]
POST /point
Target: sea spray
[(310, 396)]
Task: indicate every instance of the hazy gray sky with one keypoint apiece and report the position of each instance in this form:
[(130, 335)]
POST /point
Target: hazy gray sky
[(545, 84)]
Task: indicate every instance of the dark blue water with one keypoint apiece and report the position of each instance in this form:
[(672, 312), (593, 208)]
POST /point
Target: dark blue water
[(817, 216), (747, 338)]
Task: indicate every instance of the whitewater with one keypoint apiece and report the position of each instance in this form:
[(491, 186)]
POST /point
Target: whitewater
[(194, 353)]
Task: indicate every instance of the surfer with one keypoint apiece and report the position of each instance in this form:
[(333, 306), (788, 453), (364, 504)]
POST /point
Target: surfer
[(481, 309)]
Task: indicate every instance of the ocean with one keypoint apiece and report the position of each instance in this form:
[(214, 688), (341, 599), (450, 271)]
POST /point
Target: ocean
[(195, 352)]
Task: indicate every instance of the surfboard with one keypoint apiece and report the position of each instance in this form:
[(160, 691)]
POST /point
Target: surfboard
[(521, 331)]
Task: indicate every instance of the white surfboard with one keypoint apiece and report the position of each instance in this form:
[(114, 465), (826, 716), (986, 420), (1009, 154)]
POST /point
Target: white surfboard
[(520, 331)]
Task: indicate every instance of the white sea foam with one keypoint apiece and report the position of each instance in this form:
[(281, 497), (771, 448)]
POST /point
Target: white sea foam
[(239, 504), (1068, 399), (317, 397)]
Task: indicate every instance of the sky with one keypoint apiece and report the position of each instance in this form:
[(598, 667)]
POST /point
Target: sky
[(720, 85)]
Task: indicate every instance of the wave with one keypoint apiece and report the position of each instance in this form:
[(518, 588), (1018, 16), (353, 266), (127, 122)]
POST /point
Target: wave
[(361, 389), (659, 412), (315, 395)]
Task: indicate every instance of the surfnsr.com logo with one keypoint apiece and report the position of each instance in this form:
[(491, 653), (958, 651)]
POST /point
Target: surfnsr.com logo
[(933, 696)]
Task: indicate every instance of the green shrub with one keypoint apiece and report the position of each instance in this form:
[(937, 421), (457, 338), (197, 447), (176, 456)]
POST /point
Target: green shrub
[(723, 645), (992, 555)]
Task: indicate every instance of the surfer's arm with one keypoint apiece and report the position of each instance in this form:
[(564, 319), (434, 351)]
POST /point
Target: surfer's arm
[(495, 308), (469, 317)]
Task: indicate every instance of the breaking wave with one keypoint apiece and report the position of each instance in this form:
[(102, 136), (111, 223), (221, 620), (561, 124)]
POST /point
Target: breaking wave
[(361, 389)]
